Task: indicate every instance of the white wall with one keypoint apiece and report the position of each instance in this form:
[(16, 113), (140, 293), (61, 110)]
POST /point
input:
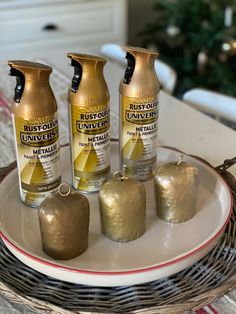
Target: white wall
[(139, 13)]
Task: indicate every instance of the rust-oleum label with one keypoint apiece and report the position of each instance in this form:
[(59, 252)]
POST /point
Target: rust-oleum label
[(139, 135), (38, 157), (90, 146)]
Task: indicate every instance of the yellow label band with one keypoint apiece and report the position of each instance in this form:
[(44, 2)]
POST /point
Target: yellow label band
[(41, 187), (139, 135), (39, 139), (38, 157), (90, 145)]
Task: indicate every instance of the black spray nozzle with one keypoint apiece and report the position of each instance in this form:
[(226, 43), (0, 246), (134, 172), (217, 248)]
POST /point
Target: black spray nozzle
[(130, 68), (20, 84), (77, 75)]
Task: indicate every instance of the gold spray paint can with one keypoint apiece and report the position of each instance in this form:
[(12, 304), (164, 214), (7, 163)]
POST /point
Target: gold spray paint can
[(139, 114), (34, 113), (89, 123)]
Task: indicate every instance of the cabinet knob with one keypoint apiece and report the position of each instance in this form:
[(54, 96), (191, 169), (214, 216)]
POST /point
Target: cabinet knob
[(50, 27)]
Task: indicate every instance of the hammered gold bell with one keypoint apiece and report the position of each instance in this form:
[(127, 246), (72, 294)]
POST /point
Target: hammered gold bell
[(176, 188), (123, 208), (64, 224)]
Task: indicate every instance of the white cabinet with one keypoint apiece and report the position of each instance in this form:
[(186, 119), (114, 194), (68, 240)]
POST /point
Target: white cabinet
[(33, 28)]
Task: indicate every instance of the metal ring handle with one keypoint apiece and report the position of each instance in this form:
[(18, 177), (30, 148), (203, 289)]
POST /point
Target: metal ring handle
[(63, 185), (180, 159), (117, 174)]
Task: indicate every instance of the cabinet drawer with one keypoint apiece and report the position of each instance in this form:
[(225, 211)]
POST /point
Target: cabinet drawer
[(75, 20)]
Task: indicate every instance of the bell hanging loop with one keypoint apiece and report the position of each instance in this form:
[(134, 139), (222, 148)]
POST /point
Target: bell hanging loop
[(64, 185), (180, 159)]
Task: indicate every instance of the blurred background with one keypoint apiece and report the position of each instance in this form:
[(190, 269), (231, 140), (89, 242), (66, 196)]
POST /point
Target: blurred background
[(196, 38)]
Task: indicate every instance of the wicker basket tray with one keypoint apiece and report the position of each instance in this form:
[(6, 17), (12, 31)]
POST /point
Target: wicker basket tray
[(188, 290)]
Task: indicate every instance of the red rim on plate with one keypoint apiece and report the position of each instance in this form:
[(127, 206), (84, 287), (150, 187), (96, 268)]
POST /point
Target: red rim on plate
[(140, 270)]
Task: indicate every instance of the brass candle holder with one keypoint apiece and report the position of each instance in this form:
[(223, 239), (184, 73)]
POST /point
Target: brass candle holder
[(176, 186), (123, 208), (64, 224)]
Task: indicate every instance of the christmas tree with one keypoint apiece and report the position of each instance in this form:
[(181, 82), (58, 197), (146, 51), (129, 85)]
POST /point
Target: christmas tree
[(198, 39)]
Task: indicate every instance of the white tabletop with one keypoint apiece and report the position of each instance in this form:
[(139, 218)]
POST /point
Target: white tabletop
[(195, 133)]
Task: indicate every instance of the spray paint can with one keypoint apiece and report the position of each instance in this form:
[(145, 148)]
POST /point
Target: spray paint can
[(139, 92), (35, 122), (89, 123)]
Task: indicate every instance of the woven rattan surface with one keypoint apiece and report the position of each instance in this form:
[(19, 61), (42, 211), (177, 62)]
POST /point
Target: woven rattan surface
[(190, 289)]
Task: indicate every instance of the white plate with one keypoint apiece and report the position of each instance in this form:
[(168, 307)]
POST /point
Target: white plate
[(163, 250)]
